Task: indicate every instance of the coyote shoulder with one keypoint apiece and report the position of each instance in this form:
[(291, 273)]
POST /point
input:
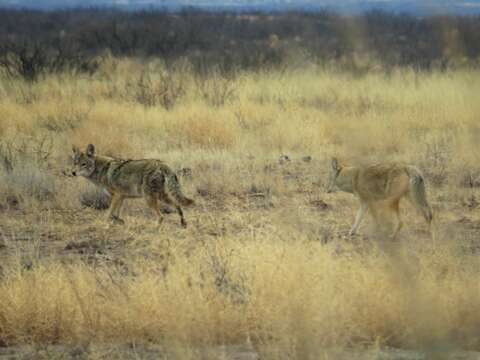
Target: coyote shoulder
[(150, 179), (385, 183)]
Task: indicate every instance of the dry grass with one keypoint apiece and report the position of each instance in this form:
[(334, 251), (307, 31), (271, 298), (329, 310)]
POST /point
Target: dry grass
[(265, 260)]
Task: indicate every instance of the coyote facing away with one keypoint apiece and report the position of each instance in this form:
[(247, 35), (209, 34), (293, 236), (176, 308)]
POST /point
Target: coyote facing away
[(149, 178), (385, 183)]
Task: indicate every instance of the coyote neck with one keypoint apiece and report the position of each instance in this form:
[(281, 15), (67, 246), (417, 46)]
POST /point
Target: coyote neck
[(99, 176), (347, 178)]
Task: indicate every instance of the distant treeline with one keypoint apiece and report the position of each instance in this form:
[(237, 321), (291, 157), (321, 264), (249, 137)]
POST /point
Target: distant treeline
[(35, 41)]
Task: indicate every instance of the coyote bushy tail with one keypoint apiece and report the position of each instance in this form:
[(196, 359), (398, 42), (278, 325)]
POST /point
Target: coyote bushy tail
[(175, 192), (417, 193)]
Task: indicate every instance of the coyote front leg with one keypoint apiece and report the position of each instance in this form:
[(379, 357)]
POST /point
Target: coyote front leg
[(399, 223), (115, 206), (359, 217)]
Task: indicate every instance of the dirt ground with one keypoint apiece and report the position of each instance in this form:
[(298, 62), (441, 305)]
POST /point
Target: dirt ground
[(299, 205), (302, 209), (151, 352)]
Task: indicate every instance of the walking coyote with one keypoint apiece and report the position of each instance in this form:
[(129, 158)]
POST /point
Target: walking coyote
[(383, 184), (150, 179)]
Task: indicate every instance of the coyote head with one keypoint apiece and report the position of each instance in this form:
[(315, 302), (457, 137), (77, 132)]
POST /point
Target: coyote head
[(335, 171), (83, 163)]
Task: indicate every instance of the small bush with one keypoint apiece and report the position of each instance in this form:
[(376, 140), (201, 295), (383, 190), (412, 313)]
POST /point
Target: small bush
[(29, 182), (95, 198), (165, 90), (31, 60), (25, 150), (24, 169), (216, 88), (6, 156), (68, 119)]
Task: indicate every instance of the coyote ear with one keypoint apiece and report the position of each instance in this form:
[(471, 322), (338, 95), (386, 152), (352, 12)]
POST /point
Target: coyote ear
[(335, 164), (90, 150), (76, 153)]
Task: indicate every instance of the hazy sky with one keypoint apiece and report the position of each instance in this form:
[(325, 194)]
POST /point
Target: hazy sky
[(414, 5)]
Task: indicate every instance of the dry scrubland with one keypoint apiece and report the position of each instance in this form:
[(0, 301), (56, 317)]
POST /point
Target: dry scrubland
[(265, 261)]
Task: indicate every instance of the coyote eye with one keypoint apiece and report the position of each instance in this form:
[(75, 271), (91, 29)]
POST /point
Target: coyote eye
[(83, 164)]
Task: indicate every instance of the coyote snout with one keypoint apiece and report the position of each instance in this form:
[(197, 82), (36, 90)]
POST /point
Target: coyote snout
[(151, 179), (385, 183)]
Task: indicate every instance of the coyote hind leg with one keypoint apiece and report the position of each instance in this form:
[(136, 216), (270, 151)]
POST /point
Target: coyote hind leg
[(152, 202), (182, 218), (166, 199)]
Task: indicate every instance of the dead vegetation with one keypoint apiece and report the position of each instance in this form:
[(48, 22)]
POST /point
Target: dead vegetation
[(266, 260)]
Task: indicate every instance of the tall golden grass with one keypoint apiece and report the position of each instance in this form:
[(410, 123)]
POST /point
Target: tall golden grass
[(298, 295), (271, 272)]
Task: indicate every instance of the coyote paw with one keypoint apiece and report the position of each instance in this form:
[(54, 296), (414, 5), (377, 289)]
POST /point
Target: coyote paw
[(184, 223), (117, 220), (352, 233)]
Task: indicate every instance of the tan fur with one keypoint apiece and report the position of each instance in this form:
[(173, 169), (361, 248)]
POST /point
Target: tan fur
[(150, 179), (381, 185)]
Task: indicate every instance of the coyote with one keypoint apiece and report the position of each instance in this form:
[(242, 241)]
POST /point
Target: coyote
[(383, 183), (150, 179)]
